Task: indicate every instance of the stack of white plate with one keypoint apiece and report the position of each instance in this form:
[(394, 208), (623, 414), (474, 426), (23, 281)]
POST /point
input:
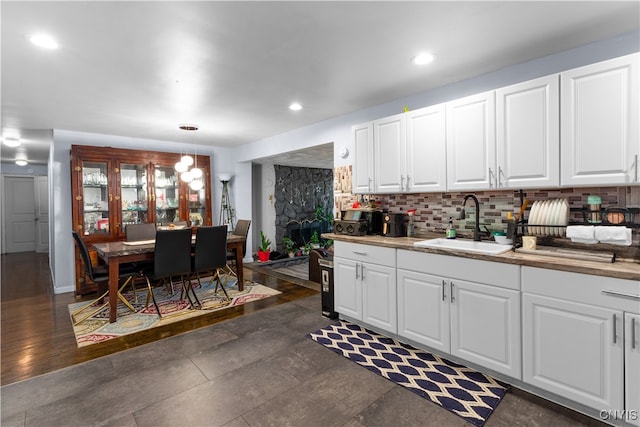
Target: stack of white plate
[(544, 213)]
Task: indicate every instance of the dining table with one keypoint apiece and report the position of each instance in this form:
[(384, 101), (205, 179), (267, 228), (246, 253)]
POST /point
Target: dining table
[(121, 252)]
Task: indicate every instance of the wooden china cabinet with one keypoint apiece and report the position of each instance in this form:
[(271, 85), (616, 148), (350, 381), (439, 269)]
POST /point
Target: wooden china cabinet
[(113, 187)]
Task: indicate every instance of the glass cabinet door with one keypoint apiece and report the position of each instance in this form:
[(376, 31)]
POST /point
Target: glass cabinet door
[(197, 207), (167, 195), (96, 198), (133, 194)]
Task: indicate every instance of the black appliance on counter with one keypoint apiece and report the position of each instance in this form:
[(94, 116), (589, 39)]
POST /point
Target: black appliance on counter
[(394, 225), (374, 221), (352, 220)]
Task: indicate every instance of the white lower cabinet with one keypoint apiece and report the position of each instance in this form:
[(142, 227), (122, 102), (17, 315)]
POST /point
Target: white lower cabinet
[(569, 349), (365, 284), (632, 367), (579, 343), (479, 322)]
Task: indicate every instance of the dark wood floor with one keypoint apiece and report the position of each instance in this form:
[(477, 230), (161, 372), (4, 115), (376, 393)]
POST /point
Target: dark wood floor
[(37, 336)]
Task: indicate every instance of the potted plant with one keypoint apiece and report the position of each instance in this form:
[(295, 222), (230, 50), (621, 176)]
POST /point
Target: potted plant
[(315, 240), (264, 250), (289, 246)]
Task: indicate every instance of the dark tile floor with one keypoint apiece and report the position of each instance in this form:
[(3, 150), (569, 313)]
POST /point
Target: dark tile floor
[(254, 370)]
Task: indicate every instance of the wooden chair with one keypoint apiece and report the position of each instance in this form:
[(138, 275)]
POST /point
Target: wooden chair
[(242, 229), (172, 258), (210, 254), (100, 276)]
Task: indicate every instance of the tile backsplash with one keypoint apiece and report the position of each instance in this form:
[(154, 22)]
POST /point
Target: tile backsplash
[(433, 210)]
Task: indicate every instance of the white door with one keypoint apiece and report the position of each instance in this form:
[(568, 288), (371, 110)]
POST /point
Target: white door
[(599, 116), (362, 172), (485, 326), (528, 134), (423, 309), (347, 288), (379, 296), (389, 138), (471, 143), (426, 166), (632, 366), (574, 350), (20, 210), (42, 213)]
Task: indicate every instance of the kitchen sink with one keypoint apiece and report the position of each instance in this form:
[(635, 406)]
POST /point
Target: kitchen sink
[(487, 248)]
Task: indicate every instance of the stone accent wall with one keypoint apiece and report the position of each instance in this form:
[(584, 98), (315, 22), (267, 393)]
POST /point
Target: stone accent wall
[(298, 193), (435, 209)]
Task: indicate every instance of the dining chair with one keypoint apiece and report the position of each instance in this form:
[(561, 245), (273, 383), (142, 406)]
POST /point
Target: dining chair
[(138, 233), (100, 276), (210, 254), (172, 258), (241, 229)]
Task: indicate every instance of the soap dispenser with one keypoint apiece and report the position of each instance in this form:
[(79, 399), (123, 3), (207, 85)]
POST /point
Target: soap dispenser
[(450, 232)]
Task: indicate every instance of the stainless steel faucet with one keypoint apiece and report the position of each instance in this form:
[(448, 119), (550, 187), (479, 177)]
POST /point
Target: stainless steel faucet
[(476, 229)]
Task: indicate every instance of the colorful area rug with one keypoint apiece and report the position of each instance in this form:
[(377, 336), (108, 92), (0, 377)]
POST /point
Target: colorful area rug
[(97, 328), (463, 391)]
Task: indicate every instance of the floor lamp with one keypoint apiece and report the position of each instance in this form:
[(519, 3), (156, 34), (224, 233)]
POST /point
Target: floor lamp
[(226, 211)]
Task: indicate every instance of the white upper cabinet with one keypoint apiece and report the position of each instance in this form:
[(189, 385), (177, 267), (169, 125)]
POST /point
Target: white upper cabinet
[(362, 173), (426, 150), (528, 134), (389, 139), (599, 133), (471, 143)]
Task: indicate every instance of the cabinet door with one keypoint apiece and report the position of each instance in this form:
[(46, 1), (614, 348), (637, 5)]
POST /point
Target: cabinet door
[(471, 143), (347, 288), (95, 198), (198, 199), (528, 134), (426, 168), (134, 196), (485, 326), (632, 366), (379, 296), (574, 350), (167, 195), (389, 137), (423, 309), (599, 116), (362, 173)]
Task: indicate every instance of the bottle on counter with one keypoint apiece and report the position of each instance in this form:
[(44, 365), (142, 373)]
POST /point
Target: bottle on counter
[(450, 232)]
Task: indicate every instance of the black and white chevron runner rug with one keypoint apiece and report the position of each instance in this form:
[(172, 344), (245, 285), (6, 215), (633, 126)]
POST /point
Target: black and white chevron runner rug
[(463, 391)]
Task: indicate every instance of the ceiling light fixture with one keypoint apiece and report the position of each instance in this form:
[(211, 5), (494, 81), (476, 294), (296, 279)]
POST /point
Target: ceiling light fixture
[(423, 59), (44, 41), (194, 175), (296, 106), (22, 162), (21, 157), (11, 142)]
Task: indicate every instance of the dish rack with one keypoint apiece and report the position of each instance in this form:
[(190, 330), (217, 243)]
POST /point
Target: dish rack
[(611, 216)]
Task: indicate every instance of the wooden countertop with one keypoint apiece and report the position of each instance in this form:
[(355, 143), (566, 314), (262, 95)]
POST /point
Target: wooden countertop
[(621, 268)]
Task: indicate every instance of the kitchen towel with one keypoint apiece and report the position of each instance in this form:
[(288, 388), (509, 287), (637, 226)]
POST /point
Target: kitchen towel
[(613, 235), (582, 233)]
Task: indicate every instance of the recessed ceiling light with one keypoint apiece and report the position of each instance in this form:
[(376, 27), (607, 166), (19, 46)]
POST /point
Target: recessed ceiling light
[(423, 59), (295, 106), (22, 162), (44, 41), (11, 142)]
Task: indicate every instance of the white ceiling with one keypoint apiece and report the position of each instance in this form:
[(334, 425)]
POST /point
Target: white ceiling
[(139, 69)]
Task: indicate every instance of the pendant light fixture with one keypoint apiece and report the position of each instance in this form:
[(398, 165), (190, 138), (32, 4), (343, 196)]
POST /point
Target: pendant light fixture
[(192, 175)]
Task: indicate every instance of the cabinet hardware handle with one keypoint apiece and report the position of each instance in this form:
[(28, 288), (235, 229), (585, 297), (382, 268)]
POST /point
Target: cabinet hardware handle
[(360, 253), (369, 183), (408, 180), (452, 297), (362, 271), (633, 333), (111, 197), (615, 330), (635, 163), (500, 174), (401, 182), (491, 174), (444, 284), (357, 277), (621, 294)]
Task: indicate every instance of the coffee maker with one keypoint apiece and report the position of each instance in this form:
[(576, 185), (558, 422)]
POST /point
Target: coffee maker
[(394, 224)]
